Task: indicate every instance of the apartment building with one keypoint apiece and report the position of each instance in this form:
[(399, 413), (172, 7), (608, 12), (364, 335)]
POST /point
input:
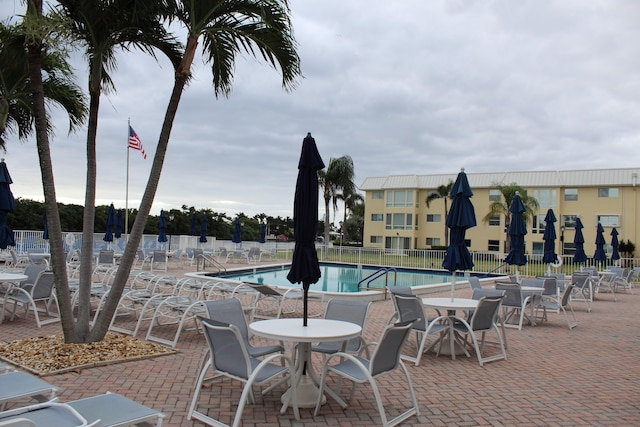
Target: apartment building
[(397, 216)]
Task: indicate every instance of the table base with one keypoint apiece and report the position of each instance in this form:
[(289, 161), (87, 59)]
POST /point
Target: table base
[(444, 347), (306, 392)]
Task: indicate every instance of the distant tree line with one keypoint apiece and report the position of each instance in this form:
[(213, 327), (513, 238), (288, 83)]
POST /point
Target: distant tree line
[(29, 216)]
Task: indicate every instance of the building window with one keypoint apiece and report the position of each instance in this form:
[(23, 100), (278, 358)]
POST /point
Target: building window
[(494, 246), (399, 221), (376, 240), (538, 225), (433, 241), (377, 195), (570, 194), (569, 221), (377, 217), (400, 199), (609, 220), (608, 192), (495, 195), (494, 221), (434, 218), (546, 197), (538, 248)]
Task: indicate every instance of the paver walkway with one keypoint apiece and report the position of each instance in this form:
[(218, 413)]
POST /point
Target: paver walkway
[(553, 377)]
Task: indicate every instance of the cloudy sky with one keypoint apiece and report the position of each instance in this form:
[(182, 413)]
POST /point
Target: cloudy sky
[(403, 87)]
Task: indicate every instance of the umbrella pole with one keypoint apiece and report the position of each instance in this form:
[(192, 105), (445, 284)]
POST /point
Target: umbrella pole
[(453, 285), (305, 307)]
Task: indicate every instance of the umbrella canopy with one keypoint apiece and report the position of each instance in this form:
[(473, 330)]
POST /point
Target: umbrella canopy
[(45, 234), (111, 220), (203, 229), (578, 240), (517, 230), (615, 255), (600, 255), (263, 233), (237, 231), (549, 237), (162, 227), (304, 265), (461, 216), (118, 232), (194, 220), (7, 204)]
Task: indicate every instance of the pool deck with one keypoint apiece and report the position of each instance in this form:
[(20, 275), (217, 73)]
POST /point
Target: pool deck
[(554, 376)]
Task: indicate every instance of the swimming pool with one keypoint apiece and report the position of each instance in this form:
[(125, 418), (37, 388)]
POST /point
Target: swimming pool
[(344, 278)]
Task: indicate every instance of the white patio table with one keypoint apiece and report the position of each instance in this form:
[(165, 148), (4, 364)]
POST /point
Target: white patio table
[(451, 305)]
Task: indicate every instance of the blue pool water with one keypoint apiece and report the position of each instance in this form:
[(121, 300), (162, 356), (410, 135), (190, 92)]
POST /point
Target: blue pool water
[(345, 278)]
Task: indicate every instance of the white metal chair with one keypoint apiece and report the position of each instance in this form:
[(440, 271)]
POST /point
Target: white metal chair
[(347, 311), (42, 291), (514, 304), (159, 261), (228, 356), (563, 305), (386, 358), (16, 385)]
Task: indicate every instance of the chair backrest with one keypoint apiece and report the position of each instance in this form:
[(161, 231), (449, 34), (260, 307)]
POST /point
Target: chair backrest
[(474, 282), (512, 294), (43, 286), (386, 356), (566, 295), (485, 313), (229, 310), (140, 255), (223, 251), (14, 257), (349, 311), (410, 309), (32, 271), (159, 256), (228, 351), (197, 253), (481, 293), (531, 281), (579, 278), (550, 285), (105, 257)]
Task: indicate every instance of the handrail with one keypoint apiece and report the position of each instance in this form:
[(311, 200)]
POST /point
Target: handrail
[(214, 262), (383, 271)]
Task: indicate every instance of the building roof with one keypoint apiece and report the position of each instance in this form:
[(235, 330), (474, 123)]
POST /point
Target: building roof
[(526, 179)]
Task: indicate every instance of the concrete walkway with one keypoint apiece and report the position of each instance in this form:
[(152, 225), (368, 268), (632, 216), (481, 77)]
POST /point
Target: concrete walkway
[(553, 377)]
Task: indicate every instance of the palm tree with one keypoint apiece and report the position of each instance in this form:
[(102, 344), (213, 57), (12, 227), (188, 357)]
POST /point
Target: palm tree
[(260, 28), (103, 27), (350, 198), (501, 207), (337, 177), (442, 192)]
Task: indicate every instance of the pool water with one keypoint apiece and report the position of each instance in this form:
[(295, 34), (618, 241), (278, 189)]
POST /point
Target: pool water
[(345, 278)]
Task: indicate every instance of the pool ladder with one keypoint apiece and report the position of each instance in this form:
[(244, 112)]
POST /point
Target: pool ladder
[(384, 271)]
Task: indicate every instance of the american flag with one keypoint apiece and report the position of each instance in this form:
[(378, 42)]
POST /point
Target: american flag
[(135, 143)]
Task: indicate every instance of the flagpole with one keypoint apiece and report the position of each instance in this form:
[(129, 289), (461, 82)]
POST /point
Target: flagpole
[(126, 197)]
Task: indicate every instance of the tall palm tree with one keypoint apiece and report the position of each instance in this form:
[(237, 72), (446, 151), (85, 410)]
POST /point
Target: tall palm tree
[(442, 192), (58, 87), (103, 27), (350, 198), (501, 207), (228, 28), (337, 177)]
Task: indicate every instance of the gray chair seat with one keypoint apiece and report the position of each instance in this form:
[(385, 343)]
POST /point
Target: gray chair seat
[(115, 410)]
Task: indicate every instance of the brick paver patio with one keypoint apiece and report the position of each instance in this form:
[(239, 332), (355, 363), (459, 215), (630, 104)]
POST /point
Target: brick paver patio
[(553, 377)]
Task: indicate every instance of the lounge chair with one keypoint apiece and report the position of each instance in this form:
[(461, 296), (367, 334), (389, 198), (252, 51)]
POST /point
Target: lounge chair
[(112, 409), (16, 385)]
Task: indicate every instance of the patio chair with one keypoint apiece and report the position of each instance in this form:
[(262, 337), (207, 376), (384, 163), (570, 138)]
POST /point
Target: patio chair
[(607, 282), (16, 385), (410, 309), (45, 415), (484, 320), (474, 282), (386, 358), (105, 261), (270, 300), (560, 305), (18, 261), (159, 261), (113, 409), (230, 310), (622, 279), (582, 288), (492, 293), (229, 356), (270, 254), (348, 311), (514, 304), (398, 290), (42, 291)]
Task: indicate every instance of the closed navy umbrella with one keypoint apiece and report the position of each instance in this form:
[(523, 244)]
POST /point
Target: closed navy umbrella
[(549, 237), (578, 240), (118, 232), (162, 227), (517, 230), (615, 255), (203, 229), (7, 204), (461, 217), (600, 255), (45, 234), (111, 220), (194, 228), (305, 268), (263, 233), (237, 232)]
